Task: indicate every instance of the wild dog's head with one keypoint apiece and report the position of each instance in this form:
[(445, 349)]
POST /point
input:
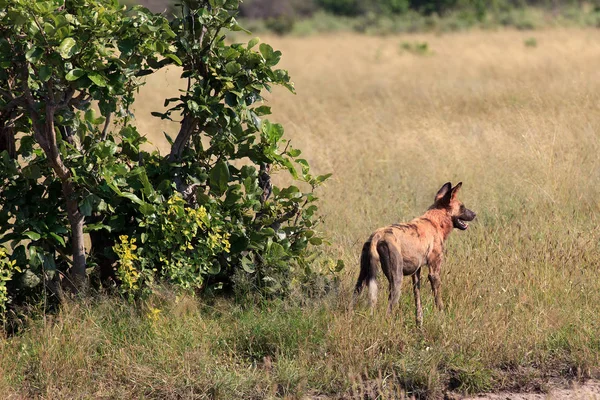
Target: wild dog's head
[(445, 199)]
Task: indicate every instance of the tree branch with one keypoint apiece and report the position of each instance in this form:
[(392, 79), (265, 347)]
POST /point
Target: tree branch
[(68, 96), (79, 100), (106, 124), (6, 94), (188, 126), (19, 101), (7, 140)]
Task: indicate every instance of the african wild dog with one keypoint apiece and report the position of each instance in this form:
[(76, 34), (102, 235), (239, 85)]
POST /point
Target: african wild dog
[(402, 249)]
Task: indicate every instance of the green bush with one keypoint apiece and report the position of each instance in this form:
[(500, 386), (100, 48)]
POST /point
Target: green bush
[(342, 7), (193, 217), (281, 25), (394, 6), (7, 269)]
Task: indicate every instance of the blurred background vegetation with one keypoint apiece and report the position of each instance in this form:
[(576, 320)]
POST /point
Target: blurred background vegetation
[(305, 17)]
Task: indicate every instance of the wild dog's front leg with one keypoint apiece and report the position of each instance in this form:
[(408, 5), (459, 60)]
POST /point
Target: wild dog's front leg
[(435, 264), (416, 278)]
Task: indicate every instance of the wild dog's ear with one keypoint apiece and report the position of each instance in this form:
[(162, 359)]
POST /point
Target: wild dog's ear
[(455, 190), (443, 191)]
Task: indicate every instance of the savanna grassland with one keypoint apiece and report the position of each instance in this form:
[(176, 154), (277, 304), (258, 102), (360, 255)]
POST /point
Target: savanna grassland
[(517, 124)]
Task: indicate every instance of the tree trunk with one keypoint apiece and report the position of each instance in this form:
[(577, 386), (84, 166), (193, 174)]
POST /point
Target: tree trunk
[(78, 274), (7, 140), (45, 134)]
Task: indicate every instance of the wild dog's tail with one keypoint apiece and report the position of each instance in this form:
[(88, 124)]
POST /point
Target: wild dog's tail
[(368, 272)]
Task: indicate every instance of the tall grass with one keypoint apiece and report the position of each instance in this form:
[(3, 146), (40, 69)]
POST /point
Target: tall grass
[(517, 124)]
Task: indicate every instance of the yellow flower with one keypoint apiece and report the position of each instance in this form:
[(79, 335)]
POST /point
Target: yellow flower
[(153, 313)]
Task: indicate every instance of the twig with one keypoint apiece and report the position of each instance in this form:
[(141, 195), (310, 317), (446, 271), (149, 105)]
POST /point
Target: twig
[(106, 123)]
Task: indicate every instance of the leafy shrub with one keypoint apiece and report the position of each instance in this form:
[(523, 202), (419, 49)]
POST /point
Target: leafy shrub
[(280, 25), (394, 6), (7, 269), (418, 48), (428, 7), (530, 42), (342, 7), (194, 216), (265, 9)]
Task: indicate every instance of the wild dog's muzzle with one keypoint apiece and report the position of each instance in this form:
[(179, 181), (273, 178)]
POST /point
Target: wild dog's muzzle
[(460, 221)]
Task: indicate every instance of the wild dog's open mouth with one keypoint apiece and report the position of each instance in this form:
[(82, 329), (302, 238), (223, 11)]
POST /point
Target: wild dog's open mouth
[(460, 224)]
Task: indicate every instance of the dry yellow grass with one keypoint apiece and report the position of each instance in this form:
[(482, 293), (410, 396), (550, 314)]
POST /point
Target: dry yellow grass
[(518, 125)]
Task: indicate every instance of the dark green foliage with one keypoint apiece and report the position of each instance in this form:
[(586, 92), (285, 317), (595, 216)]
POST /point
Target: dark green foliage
[(265, 9), (428, 7), (394, 6), (298, 9), (418, 48), (342, 7), (192, 217), (281, 25)]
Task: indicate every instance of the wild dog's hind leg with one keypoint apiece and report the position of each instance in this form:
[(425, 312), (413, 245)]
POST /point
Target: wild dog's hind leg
[(391, 263), (435, 264), (416, 278)]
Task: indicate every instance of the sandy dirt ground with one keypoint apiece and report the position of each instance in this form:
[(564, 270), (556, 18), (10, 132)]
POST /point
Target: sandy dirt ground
[(589, 390)]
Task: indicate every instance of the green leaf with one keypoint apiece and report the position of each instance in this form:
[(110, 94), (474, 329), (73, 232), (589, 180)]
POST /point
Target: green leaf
[(288, 164), (160, 115), (98, 79), (45, 73), (239, 243), (17, 19), (32, 235), (219, 177), (294, 152), (32, 172), (339, 266), (49, 264), (273, 132), (323, 178), (74, 74), (215, 268), (96, 227), (34, 54), (232, 68), (147, 209), (174, 58), (266, 50), (132, 197), (248, 265), (271, 57), (262, 110), (316, 241), (59, 239), (276, 251), (29, 279), (90, 115), (85, 206), (253, 42), (237, 27), (68, 48)]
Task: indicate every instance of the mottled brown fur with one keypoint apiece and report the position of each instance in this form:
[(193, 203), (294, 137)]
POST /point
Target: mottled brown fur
[(402, 249)]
